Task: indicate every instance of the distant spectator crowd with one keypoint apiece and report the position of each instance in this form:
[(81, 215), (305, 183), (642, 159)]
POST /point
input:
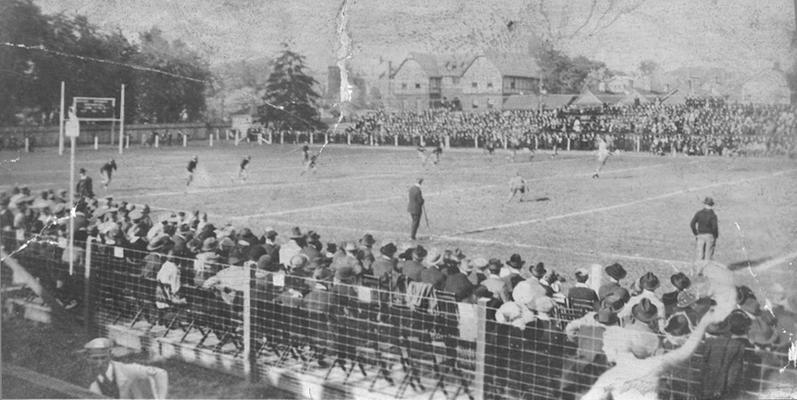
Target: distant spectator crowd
[(697, 127)]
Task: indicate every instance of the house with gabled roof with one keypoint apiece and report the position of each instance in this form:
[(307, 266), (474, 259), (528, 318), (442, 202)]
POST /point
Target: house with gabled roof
[(477, 83)]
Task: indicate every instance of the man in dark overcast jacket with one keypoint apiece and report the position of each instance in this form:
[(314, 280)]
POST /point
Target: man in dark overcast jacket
[(704, 227)]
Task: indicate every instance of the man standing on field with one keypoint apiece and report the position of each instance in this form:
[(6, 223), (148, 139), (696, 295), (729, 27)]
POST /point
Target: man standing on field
[(415, 207), (704, 227)]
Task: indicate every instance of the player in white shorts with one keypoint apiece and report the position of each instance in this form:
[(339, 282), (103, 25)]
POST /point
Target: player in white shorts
[(603, 155), (518, 185)]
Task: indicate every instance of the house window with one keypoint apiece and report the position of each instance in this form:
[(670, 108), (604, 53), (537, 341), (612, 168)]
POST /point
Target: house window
[(490, 103), (455, 81), (475, 103), (512, 85), (403, 85), (417, 86), (489, 84), (474, 85)]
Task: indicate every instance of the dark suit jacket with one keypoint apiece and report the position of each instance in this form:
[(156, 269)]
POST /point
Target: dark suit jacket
[(415, 205), (460, 285), (434, 277), (382, 268), (412, 270)]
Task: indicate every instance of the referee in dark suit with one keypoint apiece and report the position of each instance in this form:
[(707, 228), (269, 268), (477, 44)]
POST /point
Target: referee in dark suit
[(415, 207)]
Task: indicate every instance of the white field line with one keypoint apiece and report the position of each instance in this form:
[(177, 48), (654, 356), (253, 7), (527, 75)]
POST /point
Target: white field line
[(392, 235), (302, 182), (434, 194), (767, 265), (623, 205)]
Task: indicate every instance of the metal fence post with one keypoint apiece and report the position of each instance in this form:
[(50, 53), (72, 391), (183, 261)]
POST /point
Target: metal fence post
[(637, 144), (481, 345), (348, 138), (395, 140), (568, 144), (88, 306), (476, 142), (250, 365)]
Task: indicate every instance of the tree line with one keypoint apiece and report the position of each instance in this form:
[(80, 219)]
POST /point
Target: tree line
[(164, 80)]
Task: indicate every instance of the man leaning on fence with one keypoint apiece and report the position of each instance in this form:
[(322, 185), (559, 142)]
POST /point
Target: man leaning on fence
[(120, 380)]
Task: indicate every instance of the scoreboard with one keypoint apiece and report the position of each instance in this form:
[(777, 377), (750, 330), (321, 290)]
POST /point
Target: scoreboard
[(95, 108)]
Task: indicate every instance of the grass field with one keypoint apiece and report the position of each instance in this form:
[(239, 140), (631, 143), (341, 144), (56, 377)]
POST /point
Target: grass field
[(637, 213)]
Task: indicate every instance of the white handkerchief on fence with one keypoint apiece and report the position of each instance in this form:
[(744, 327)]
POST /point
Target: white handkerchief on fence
[(279, 280), (20, 234), (364, 294), (118, 252), (467, 321), (62, 242)]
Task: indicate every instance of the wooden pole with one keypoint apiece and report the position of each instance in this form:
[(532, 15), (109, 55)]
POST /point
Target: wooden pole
[(61, 122)]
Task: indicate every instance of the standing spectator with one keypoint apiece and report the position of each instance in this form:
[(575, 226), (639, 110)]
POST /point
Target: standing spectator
[(271, 247), (723, 357), (704, 228), (84, 185), (415, 207)]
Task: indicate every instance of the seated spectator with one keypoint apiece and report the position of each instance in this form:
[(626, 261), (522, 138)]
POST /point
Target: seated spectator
[(590, 361), (413, 267), (432, 273), (206, 261), (648, 283), (366, 253), (457, 282), (615, 272), (294, 245), (514, 267), (476, 270), (384, 265), (581, 293), (347, 269), (681, 282), (495, 284)]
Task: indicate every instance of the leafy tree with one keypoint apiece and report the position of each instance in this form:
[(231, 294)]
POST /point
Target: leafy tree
[(648, 67), (291, 102), (563, 74)]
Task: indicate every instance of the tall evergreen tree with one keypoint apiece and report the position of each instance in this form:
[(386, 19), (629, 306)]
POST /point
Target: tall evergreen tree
[(291, 102)]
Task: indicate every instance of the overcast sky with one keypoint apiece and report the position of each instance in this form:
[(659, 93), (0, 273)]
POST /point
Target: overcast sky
[(742, 35)]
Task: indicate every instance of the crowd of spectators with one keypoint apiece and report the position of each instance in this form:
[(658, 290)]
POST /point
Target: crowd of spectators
[(697, 127), (534, 345)]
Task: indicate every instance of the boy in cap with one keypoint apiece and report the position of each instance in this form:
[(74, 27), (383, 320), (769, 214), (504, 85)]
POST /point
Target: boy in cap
[(704, 227), (120, 380)]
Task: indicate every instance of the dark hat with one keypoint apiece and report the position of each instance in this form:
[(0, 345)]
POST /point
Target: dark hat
[(680, 281), (649, 281), (515, 261), (82, 170), (367, 239), (313, 235), (495, 262), (482, 292), (644, 311), (738, 322), (606, 316), (616, 271), (271, 233), (296, 233), (708, 201), (582, 275), (538, 271), (263, 262), (613, 301), (388, 249), (420, 252), (678, 325)]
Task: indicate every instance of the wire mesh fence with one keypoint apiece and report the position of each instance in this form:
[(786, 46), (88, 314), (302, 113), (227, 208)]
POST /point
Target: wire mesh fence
[(386, 334)]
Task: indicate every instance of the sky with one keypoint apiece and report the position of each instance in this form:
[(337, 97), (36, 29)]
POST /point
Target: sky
[(741, 35)]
